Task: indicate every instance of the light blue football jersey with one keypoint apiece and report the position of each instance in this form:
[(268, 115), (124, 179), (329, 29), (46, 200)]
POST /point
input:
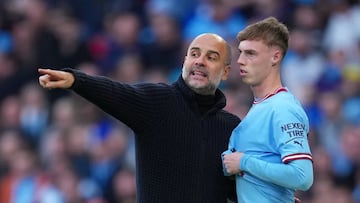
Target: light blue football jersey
[(275, 130)]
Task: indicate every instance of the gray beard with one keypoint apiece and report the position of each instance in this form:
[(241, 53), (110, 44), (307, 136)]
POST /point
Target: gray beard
[(207, 90)]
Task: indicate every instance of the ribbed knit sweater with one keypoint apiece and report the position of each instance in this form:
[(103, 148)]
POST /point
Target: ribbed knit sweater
[(178, 148)]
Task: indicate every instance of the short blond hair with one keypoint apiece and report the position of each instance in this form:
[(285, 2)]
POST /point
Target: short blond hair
[(270, 31)]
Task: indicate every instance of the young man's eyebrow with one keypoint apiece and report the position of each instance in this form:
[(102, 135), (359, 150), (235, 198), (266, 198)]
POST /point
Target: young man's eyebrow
[(247, 50)]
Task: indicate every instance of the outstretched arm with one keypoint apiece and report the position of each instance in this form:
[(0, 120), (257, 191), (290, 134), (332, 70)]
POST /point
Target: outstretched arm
[(51, 79), (136, 105)]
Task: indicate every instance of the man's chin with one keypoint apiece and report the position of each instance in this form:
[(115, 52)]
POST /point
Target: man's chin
[(203, 89), (195, 84)]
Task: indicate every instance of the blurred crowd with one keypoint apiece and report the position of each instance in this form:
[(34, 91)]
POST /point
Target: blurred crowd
[(55, 147)]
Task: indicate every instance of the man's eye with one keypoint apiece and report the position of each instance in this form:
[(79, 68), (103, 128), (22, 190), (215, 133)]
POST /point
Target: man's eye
[(212, 58), (250, 53), (194, 54)]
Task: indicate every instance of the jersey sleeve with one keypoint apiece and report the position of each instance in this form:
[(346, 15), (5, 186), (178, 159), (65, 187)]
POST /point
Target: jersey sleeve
[(291, 129), (297, 175)]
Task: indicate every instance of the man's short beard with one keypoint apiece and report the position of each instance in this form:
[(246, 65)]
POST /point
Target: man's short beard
[(206, 90)]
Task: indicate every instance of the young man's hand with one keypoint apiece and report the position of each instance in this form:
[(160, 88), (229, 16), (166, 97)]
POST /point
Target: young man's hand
[(232, 162)]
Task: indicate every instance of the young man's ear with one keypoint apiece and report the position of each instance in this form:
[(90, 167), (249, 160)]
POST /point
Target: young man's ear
[(276, 58)]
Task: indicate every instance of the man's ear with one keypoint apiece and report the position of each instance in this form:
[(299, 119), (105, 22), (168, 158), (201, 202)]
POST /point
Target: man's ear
[(276, 58), (226, 72)]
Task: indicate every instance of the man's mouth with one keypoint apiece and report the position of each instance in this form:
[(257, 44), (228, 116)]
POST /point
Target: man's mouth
[(242, 72), (198, 73)]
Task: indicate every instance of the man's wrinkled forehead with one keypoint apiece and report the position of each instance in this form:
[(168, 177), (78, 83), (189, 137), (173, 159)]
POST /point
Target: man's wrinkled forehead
[(206, 44)]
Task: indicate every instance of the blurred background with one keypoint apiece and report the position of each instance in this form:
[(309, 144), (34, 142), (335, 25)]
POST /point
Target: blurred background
[(56, 147)]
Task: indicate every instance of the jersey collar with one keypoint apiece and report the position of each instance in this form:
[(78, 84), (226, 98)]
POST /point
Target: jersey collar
[(259, 100)]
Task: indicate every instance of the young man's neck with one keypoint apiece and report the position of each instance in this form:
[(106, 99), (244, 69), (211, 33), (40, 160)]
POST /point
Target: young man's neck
[(262, 91)]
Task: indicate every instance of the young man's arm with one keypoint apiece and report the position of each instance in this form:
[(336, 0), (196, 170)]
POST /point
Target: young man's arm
[(297, 174)]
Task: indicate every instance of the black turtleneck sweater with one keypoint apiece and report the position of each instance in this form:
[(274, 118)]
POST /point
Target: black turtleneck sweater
[(205, 102), (178, 142)]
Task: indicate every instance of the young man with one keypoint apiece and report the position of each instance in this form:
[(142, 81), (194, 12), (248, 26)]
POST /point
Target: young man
[(268, 151), (180, 128)]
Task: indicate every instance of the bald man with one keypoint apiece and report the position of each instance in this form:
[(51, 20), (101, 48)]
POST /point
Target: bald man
[(180, 129)]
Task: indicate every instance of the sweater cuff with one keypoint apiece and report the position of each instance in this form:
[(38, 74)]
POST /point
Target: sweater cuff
[(78, 77)]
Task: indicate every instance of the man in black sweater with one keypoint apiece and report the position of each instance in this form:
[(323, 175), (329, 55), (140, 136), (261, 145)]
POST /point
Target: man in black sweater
[(181, 129)]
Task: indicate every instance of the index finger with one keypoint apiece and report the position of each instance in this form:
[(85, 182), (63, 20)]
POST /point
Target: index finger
[(54, 74), (45, 71)]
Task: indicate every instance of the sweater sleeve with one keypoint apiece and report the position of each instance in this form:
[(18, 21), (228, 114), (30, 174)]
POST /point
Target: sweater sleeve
[(222, 160), (297, 174), (231, 148), (135, 105)]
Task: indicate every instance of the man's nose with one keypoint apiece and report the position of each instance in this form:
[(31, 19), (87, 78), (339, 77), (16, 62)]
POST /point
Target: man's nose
[(200, 60), (240, 59)]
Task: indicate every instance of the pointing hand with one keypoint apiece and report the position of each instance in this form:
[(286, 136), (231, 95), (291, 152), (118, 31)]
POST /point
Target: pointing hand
[(51, 79)]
